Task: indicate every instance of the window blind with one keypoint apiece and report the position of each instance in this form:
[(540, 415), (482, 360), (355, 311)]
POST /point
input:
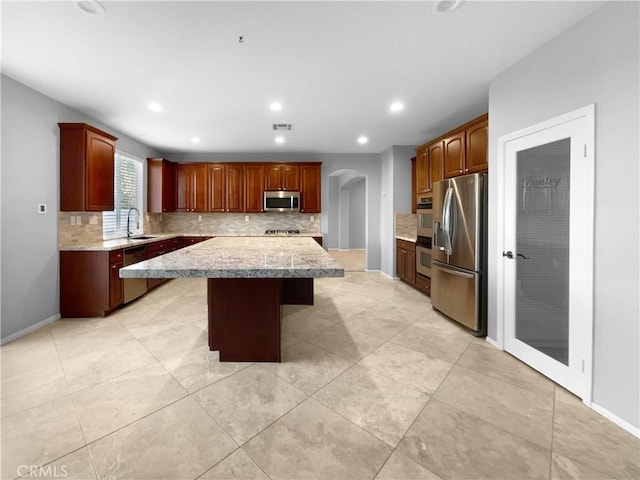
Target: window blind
[(128, 191)]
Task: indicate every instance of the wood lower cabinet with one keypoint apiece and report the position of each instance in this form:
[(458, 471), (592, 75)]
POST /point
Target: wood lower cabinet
[(254, 188), (226, 188), (423, 284), (161, 185), (156, 249), (310, 199), (406, 261), (116, 284), (192, 187), (90, 285), (86, 168)]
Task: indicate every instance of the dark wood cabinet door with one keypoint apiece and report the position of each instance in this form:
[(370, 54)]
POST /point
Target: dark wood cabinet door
[(477, 148), (410, 267), (413, 186), (116, 286), (217, 190), (183, 188), (310, 201), (436, 158), (161, 185), (234, 183), (86, 168), (422, 171), (272, 177), (254, 188), (400, 261), (99, 188), (454, 152), (290, 175), (200, 186)]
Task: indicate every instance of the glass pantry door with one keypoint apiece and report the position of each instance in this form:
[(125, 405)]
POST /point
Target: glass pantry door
[(548, 256)]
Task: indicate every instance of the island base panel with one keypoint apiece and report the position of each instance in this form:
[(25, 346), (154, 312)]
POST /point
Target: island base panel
[(244, 318), (297, 291)]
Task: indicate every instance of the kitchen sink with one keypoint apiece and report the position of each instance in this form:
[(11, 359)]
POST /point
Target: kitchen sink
[(143, 237)]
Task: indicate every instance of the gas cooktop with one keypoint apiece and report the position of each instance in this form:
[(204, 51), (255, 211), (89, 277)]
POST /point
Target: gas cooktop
[(281, 232)]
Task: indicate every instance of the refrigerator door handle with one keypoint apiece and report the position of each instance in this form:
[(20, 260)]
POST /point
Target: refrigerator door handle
[(447, 221), (453, 272)]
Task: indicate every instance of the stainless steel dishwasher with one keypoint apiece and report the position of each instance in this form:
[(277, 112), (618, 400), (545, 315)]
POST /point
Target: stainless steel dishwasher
[(134, 287)]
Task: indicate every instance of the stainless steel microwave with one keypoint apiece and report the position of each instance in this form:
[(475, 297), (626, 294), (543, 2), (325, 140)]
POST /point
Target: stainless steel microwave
[(281, 201)]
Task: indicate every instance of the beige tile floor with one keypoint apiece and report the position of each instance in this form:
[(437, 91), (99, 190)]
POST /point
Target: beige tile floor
[(374, 384)]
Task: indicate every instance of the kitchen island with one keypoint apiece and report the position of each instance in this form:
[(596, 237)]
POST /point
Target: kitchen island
[(248, 279)]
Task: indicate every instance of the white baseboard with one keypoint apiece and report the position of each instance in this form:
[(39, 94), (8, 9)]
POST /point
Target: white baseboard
[(388, 276), (635, 431), (373, 271), (29, 329)]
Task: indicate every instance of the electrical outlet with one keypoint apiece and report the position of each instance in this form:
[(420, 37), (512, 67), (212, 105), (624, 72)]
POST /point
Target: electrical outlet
[(78, 220), (246, 218), (199, 218), (72, 220), (42, 208), (312, 218)]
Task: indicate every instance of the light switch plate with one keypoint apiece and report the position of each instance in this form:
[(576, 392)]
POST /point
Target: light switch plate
[(42, 208)]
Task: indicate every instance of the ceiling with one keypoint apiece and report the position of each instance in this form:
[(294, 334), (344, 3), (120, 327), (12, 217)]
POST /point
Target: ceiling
[(334, 66)]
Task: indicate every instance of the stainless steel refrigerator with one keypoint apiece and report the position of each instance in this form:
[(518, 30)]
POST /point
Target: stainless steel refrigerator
[(458, 269)]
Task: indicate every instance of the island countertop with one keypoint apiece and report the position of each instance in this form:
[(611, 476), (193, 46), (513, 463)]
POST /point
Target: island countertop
[(241, 257)]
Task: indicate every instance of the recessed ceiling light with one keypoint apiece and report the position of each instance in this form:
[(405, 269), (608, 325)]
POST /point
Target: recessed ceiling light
[(195, 140), (154, 107), (446, 6), (275, 106), (279, 140), (362, 140), (90, 7), (396, 106)]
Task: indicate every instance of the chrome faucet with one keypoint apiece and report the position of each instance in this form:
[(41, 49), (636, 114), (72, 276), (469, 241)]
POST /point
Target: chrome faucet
[(129, 218)]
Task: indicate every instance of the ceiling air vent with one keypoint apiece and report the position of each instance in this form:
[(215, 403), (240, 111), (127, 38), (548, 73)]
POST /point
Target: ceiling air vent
[(283, 127)]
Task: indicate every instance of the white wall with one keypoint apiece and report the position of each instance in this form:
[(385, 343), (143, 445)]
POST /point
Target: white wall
[(30, 175), (596, 61)]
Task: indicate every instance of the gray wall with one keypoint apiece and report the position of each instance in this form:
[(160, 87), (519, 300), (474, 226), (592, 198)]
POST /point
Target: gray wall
[(357, 204), (396, 198), (30, 175), (596, 61)]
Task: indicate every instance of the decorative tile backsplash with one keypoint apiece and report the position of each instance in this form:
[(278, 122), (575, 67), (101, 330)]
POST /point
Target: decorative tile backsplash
[(85, 228), (407, 225), (234, 223)]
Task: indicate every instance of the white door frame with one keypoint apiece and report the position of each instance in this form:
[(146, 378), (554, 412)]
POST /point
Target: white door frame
[(584, 214)]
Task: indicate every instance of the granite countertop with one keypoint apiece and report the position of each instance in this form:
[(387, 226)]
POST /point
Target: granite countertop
[(406, 238), (241, 257), (117, 243)]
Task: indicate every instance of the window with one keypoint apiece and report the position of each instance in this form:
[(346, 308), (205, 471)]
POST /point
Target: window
[(128, 194)]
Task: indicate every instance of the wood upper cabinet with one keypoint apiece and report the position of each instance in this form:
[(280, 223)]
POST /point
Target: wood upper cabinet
[(454, 152), (86, 168), (476, 158), (436, 160), (423, 183), (284, 176), (310, 175), (192, 187), (161, 185), (254, 188), (226, 188)]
